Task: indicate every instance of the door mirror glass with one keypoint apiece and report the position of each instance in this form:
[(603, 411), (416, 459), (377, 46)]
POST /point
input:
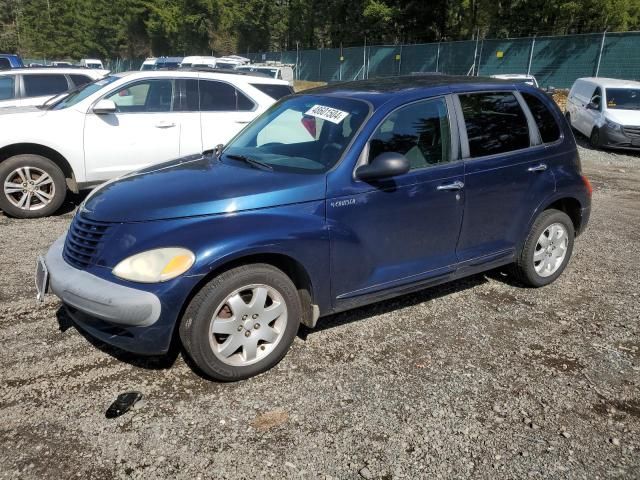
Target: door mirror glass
[(104, 107), (592, 106), (385, 165)]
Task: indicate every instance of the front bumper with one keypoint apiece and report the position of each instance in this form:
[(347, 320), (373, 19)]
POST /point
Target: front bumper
[(134, 320), (97, 297), (610, 138)]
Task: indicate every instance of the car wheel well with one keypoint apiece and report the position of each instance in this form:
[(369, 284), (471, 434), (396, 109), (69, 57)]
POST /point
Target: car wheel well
[(50, 153), (291, 267), (571, 207)]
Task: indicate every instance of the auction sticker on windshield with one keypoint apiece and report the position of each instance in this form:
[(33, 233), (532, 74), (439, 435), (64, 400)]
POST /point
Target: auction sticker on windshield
[(332, 115)]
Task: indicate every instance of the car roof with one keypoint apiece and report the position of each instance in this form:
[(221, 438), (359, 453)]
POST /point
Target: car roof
[(514, 76), (610, 82), (380, 90), (61, 70), (230, 76)]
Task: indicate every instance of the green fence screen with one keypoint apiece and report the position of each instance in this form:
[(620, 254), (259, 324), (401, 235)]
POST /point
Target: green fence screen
[(554, 61)]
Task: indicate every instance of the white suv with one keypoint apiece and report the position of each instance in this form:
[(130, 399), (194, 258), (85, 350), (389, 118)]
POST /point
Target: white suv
[(33, 86), (607, 111), (120, 123)]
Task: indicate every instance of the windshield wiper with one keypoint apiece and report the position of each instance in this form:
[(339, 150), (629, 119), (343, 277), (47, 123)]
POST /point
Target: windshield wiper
[(251, 161)]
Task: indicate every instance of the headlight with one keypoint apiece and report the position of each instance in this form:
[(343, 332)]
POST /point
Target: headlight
[(614, 126), (155, 266)]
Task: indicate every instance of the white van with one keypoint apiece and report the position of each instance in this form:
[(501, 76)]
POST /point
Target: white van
[(277, 71), (198, 61), (93, 63), (607, 111)]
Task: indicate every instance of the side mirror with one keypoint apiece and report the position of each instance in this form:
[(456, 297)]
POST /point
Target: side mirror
[(592, 106), (385, 165), (104, 107)]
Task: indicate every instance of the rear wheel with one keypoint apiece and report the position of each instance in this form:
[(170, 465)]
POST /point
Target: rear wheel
[(242, 322), (32, 186), (547, 249)]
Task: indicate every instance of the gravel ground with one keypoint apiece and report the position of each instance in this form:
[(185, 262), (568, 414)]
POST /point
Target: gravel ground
[(479, 378)]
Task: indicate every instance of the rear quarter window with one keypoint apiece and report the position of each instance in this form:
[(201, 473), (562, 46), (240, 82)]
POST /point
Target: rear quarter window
[(545, 120), (274, 91), (6, 88)]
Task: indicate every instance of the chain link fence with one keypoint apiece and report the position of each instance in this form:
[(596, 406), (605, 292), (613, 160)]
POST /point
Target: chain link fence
[(554, 61)]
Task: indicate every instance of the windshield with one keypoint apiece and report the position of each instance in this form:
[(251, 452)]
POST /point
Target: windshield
[(623, 98), (302, 134), (78, 94)]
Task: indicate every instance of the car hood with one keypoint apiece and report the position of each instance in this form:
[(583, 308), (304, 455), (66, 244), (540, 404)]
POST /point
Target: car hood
[(624, 117), (198, 185)]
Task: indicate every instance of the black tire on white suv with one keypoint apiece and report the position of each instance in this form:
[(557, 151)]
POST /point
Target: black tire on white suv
[(31, 186)]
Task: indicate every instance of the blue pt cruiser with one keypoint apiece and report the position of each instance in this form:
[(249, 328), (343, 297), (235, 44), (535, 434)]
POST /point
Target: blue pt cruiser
[(332, 199)]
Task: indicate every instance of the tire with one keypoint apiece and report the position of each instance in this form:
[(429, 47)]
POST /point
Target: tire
[(222, 322), (594, 139), (529, 267), (26, 171)]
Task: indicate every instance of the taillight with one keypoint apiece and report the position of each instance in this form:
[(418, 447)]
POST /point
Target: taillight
[(587, 184)]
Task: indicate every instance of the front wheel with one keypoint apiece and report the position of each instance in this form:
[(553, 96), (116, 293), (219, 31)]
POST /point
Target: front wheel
[(547, 249), (594, 139), (32, 186), (242, 322)]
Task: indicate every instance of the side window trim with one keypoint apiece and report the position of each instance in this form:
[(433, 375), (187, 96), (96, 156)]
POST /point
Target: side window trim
[(454, 141), (464, 139)]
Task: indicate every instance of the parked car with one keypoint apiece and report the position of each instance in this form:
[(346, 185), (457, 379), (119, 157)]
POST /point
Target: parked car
[(21, 87), (93, 63), (344, 196), (9, 60), (62, 63), (120, 123), (281, 72), (161, 63), (518, 77), (198, 61), (607, 111)]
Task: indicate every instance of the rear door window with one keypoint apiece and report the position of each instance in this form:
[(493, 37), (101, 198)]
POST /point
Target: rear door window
[(547, 125), (222, 97), (495, 123), (40, 85), (7, 88)]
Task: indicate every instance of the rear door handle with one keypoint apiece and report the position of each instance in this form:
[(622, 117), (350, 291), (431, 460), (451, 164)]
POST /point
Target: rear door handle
[(457, 185), (165, 124), (538, 168)]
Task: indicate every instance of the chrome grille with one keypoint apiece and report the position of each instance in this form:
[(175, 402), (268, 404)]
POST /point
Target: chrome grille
[(633, 132), (83, 241)]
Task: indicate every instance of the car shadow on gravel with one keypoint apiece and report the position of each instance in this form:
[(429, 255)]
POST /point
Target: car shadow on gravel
[(71, 202), (397, 303), (156, 362)]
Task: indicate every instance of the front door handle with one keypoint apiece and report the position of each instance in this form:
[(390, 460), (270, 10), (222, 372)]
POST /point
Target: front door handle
[(165, 124), (242, 122), (457, 185), (538, 168)]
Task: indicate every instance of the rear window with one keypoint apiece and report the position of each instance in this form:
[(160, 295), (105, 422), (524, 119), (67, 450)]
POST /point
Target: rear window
[(45, 84), (274, 91), (547, 125), (5, 64), (495, 123)]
